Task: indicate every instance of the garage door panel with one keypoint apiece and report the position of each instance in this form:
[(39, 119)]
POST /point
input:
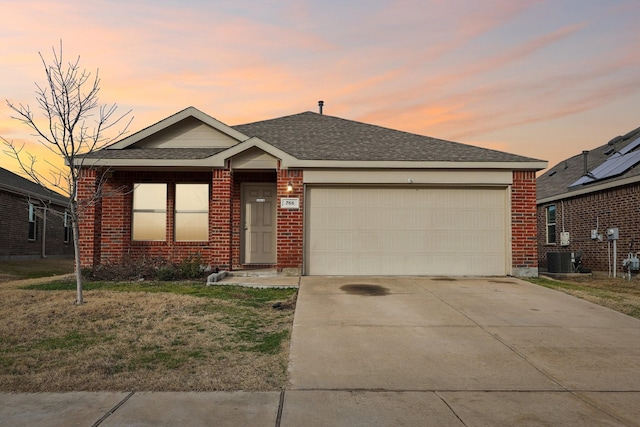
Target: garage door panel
[(416, 231), (332, 242)]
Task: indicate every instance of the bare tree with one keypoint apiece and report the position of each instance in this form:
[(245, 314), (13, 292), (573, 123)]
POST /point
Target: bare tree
[(72, 124)]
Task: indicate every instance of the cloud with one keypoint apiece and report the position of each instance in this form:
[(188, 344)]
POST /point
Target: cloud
[(454, 69)]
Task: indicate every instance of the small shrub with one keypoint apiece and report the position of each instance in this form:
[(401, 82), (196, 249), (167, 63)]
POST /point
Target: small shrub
[(166, 273), (192, 267), (157, 268)]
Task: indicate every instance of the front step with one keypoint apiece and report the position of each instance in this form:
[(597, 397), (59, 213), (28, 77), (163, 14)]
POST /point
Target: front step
[(257, 272)]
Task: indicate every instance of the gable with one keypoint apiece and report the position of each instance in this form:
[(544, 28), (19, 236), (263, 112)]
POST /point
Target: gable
[(185, 125), (187, 133), (254, 158)]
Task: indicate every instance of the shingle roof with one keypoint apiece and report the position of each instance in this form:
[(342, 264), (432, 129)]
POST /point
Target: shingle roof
[(557, 180), (155, 153), (11, 181), (312, 136)]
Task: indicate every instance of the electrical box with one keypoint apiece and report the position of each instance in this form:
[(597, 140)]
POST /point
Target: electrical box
[(594, 234), (564, 238), (612, 234)]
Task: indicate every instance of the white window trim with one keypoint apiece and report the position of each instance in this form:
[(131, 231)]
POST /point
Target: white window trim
[(67, 227), (548, 224), (134, 211), (32, 220), (177, 211)]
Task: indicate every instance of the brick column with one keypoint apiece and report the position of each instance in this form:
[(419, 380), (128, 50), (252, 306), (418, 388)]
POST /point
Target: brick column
[(220, 217), (524, 224), (290, 232), (115, 227), (89, 219)]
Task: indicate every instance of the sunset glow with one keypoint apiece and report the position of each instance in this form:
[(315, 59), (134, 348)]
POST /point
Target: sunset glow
[(540, 78)]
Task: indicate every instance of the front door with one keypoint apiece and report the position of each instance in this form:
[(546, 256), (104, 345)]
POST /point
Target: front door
[(259, 223)]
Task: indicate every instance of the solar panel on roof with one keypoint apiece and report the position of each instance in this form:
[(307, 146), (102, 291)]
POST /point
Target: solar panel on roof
[(630, 147), (615, 165)]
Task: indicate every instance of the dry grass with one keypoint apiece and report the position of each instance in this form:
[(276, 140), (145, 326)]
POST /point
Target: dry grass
[(40, 267), (142, 341), (618, 294)]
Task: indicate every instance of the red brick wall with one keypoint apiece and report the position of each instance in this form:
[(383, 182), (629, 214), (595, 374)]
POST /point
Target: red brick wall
[(220, 218), (619, 208), (89, 219), (106, 227), (110, 221), (524, 246), (290, 221)]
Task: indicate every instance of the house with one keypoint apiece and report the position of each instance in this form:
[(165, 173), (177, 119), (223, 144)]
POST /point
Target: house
[(312, 193), (583, 197), (33, 223)]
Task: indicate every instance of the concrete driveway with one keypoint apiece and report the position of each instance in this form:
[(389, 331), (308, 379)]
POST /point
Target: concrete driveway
[(440, 351)]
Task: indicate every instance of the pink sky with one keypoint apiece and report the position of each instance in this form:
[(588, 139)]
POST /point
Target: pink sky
[(544, 79)]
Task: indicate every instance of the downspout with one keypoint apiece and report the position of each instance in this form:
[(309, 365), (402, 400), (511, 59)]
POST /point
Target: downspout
[(44, 232)]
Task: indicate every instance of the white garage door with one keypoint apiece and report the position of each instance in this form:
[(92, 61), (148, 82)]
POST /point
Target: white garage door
[(406, 231)]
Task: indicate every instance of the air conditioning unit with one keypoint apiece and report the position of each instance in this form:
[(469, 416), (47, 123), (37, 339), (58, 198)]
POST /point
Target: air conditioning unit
[(559, 262)]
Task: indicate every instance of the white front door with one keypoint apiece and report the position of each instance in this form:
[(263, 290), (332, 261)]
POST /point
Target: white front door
[(259, 223)]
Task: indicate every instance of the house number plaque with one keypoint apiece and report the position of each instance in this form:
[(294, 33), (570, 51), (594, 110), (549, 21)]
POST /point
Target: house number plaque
[(290, 203)]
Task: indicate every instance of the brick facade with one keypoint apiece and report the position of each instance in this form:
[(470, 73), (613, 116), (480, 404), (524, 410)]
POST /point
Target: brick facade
[(290, 229), (106, 226), (617, 207), (106, 234), (14, 228), (524, 251)]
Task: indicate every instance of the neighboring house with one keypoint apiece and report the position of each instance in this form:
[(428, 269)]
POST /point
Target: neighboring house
[(33, 223), (586, 195), (308, 191)]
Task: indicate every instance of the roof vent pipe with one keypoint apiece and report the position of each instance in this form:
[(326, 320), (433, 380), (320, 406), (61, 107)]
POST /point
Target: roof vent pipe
[(320, 105), (585, 158)]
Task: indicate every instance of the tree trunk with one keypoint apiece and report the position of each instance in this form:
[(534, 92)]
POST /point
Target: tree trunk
[(76, 251)]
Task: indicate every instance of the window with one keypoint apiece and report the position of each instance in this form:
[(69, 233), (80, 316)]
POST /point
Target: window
[(192, 212), (149, 212), (67, 227), (32, 222), (551, 224)]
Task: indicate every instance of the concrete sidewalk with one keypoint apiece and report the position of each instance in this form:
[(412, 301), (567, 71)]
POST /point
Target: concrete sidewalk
[(407, 351)]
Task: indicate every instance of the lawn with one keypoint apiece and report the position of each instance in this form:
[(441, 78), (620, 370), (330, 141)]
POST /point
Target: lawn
[(30, 269), (165, 336), (617, 294)]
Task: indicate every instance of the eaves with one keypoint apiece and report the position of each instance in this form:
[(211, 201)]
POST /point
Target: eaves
[(590, 189), (31, 194)]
